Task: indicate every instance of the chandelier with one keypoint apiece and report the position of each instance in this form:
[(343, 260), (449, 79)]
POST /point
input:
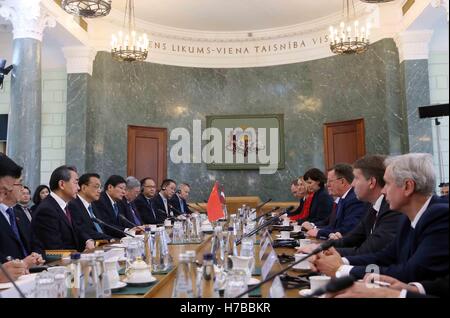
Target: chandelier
[(129, 46), (87, 8), (349, 38)]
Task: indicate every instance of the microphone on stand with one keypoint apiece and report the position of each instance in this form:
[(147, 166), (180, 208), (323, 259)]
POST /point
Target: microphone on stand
[(128, 221), (165, 213), (96, 220), (267, 213), (265, 224), (320, 248), (5, 272), (262, 204), (334, 286)]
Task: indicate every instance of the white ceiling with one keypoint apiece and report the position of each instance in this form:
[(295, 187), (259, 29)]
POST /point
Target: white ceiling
[(231, 15)]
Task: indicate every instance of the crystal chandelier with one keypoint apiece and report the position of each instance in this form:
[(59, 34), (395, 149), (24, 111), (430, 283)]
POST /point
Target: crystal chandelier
[(128, 46), (87, 8), (349, 38)]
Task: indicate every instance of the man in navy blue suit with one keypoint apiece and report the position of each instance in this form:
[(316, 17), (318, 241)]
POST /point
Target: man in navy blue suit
[(179, 200), (349, 209), (420, 250)]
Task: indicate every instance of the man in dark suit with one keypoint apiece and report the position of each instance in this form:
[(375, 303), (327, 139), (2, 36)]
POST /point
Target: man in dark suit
[(379, 225), (9, 173), (161, 200), (131, 212), (178, 202), (420, 250), (110, 209), (24, 202), (144, 203), (52, 226), (15, 234), (82, 209), (349, 210)]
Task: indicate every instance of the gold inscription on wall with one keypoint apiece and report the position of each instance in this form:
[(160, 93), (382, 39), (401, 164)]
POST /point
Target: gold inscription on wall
[(273, 47)]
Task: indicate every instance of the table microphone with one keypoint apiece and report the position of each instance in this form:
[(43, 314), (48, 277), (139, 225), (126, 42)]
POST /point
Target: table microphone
[(5, 272), (267, 213), (265, 224), (263, 204), (165, 213), (96, 220), (128, 221), (176, 210), (320, 248), (334, 286)]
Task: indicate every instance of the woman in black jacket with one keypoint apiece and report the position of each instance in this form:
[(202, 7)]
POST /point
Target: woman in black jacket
[(322, 202)]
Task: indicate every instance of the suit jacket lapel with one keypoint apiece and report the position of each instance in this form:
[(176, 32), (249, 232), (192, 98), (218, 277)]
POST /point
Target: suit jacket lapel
[(5, 225)]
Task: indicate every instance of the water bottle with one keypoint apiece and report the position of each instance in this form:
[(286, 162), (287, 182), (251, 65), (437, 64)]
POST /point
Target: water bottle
[(230, 248), (158, 251), (209, 287), (104, 284), (148, 246), (217, 246), (90, 276), (76, 277), (191, 255), (183, 282)]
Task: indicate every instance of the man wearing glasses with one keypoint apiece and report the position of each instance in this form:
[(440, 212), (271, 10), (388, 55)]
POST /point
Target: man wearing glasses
[(144, 203)]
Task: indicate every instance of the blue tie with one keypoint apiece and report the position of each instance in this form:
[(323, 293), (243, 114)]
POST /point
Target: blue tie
[(136, 220), (91, 214), (116, 210), (15, 229), (181, 205), (338, 211)]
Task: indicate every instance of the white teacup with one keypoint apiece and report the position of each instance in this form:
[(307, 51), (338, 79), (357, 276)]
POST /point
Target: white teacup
[(285, 235), (317, 282), (167, 222), (153, 227), (286, 222), (304, 265), (304, 242)]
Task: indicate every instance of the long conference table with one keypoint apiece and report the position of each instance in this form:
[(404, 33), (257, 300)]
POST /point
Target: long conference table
[(164, 285)]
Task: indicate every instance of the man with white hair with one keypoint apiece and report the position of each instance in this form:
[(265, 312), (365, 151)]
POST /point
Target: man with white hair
[(133, 188), (420, 249)]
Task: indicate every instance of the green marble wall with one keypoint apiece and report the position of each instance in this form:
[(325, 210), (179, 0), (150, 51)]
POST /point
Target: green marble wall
[(309, 94)]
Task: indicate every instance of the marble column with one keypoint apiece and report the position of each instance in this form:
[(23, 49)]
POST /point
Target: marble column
[(79, 70), (24, 128), (413, 50)]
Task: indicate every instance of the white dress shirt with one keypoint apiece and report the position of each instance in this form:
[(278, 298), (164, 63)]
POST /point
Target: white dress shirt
[(345, 269)]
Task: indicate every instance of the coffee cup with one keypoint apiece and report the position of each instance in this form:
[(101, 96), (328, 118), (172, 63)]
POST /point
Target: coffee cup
[(304, 242), (317, 282), (286, 222), (304, 265), (297, 228)]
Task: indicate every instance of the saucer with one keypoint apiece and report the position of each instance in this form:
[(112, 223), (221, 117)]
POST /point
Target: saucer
[(305, 292), (118, 285), (253, 281), (139, 283)]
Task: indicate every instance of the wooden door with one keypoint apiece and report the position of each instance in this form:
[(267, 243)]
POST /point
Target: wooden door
[(147, 153), (344, 142)]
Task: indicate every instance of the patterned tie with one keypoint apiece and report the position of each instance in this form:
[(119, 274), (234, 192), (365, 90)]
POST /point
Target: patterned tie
[(135, 218), (91, 214), (68, 215), (15, 229), (374, 215)]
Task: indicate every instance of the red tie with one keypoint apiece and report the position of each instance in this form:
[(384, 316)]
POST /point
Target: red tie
[(68, 215)]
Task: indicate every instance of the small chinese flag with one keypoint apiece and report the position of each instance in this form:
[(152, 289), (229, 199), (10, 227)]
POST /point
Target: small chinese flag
[(214, 206)]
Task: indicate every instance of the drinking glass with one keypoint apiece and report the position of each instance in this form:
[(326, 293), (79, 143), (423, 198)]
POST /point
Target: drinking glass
[(236, 283)]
